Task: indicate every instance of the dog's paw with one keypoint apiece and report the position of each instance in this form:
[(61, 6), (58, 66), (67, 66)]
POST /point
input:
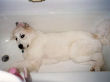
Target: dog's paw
[(95, 69)]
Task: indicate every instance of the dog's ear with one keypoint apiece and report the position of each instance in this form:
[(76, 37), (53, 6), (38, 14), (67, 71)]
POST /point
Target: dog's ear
[(26, 25), (19, 24), (22, 24), (16, 23)]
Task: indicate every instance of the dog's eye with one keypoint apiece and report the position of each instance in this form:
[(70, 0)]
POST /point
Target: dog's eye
[(22, 36), (16, 39)]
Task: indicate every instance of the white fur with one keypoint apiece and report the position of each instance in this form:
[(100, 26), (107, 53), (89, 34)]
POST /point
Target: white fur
[(103, 31), (48, 48)]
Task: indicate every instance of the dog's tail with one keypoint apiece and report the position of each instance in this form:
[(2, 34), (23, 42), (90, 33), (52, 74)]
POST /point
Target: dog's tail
[(103, 31)]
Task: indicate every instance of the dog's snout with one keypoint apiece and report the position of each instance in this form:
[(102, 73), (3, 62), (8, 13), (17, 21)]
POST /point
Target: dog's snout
[(20, 46), (5, 58)]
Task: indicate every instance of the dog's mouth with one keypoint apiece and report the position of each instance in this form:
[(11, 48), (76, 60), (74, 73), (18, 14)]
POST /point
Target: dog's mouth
[(27, 45), (23, 51)]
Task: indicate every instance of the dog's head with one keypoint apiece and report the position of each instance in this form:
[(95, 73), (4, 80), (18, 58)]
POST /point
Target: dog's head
[(23, 34)]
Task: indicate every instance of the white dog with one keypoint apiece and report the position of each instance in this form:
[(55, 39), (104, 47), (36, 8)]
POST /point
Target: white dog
[(47, 48)]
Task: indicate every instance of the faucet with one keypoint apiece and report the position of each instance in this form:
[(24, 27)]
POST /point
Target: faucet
[(36, 0)]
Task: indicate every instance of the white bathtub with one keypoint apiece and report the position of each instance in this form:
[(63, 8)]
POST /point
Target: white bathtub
[(72, 77), (54, 16)]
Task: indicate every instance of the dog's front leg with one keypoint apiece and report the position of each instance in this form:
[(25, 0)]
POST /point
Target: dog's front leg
[(30, 64)]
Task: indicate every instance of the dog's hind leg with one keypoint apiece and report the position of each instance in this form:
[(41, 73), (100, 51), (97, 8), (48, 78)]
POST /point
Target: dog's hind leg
[(99, 62), (96, 62), (88, 52)]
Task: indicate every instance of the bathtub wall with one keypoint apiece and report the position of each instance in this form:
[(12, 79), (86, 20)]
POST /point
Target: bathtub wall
[(54, 15)]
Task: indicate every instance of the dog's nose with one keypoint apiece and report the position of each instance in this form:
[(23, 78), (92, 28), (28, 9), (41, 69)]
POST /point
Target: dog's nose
[(20, 46), (5, 58)]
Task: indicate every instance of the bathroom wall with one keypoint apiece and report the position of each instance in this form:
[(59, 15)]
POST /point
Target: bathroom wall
[(53, 6), (51, 16)]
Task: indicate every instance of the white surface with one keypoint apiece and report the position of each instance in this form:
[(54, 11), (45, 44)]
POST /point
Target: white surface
[(9, 48), (66, 66), (72, 77), (7, 77)]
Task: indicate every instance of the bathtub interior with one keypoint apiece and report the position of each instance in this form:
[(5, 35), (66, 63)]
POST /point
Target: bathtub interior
[(50, 16)]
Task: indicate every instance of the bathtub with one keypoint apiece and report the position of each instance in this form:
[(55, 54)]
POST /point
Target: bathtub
[(54, 16)]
